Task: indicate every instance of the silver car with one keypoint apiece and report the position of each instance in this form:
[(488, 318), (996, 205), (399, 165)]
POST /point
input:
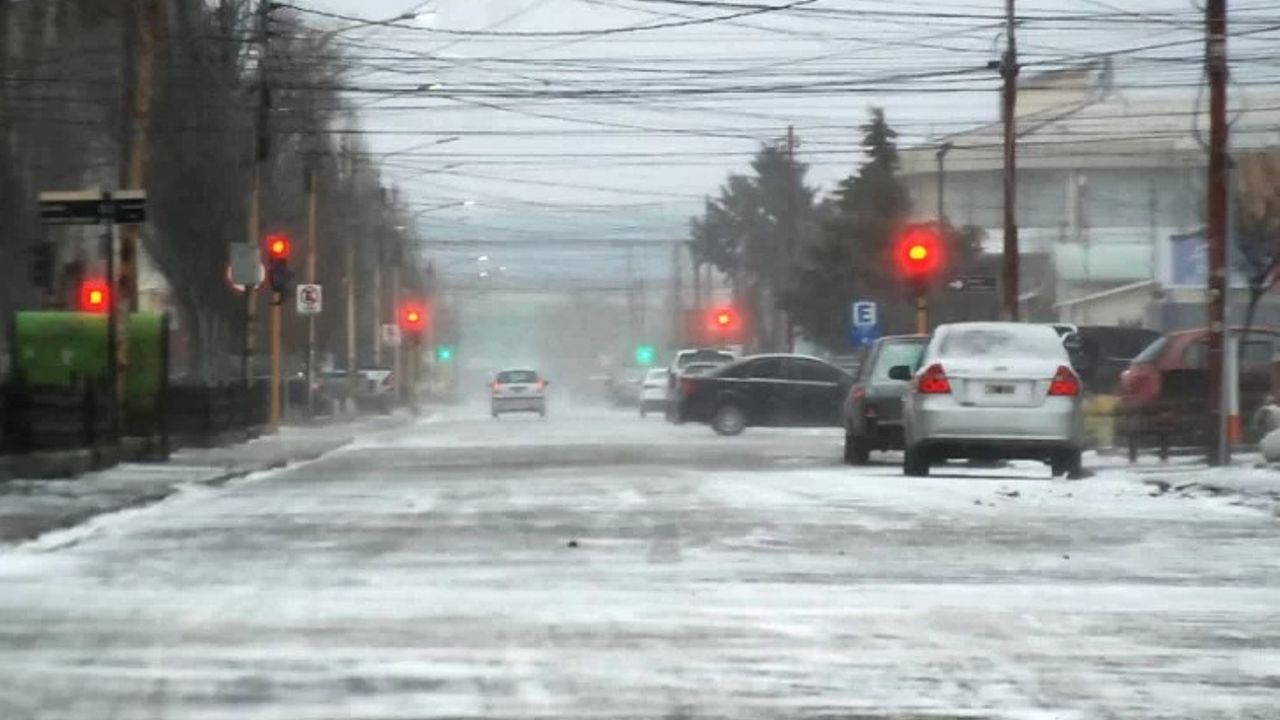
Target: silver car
[(518, 391), (992, 390)]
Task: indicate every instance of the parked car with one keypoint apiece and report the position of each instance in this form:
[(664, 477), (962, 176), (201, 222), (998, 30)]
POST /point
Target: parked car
[(375, 389), (873, 408), (1165, 388), (764, 390), (518, 391), (653, 394), (681, 364), (1104, 352), (994, 390)]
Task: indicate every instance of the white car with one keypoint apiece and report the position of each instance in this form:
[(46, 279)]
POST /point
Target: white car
[(994, 390), (518, 391), (653, 393)]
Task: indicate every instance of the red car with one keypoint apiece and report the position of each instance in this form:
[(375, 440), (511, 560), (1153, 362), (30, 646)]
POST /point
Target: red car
[(1165, 390)]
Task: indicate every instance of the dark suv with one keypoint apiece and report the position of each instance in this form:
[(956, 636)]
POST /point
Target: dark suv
[(873, 409)]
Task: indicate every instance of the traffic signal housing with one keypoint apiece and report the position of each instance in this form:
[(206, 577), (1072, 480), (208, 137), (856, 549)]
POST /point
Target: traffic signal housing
[(94, 295), (920, 253), (413, 318), (723, 320), (278, 248)]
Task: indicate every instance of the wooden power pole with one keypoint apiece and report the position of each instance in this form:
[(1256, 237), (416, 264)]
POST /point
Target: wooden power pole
[(1217, 182), (1008, 113)]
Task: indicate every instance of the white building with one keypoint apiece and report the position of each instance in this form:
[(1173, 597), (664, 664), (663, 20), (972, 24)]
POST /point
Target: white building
[(1110, 194)]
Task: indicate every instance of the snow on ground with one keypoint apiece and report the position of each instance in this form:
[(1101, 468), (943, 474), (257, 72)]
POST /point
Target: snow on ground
[(421, 575)]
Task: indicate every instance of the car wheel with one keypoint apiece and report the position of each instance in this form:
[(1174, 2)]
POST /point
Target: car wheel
[(729, 420), (643, 412), (1069, 463), (856, 451), (494, 413), (915, 463)]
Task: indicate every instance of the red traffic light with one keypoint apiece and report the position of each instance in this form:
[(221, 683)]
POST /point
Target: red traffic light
[(413, 317), (723, 319), (919, 251), (95, 295), (278, 247)]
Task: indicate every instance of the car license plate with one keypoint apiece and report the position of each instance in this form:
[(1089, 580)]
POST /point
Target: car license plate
[(1002, 389)]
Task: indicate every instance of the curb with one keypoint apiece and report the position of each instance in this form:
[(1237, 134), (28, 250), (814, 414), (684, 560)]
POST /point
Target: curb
[(215, 479)]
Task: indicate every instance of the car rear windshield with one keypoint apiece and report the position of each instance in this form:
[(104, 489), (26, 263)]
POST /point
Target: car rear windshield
[(1011, 341), (898, 353), (713, 356), (517, 376), (1153, 351)]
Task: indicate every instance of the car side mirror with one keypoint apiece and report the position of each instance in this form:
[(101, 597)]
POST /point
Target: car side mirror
[(900, 372), (1073, 343)]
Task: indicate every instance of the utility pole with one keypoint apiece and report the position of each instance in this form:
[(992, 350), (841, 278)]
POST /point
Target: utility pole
[(632, 311), (397, 368), (1008, 112), (793, 192), (943, 149), (261, 151), (312, 178), (123, 298), (1215, 51), (350, 267), (376, 300), (677, 297)]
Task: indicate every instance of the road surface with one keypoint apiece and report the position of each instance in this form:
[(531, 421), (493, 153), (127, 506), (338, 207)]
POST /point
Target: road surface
[(594, 565)]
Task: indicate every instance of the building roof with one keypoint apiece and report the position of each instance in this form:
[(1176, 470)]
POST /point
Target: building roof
[(1106, 128)]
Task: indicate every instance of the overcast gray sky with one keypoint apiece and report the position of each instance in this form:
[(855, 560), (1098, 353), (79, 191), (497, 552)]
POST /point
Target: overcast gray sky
[(619, 136)]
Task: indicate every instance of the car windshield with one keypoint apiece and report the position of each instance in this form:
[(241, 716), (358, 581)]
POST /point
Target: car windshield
[(1152, 352), (713, 356), (517, 376), (897, 353), (1002, 341)]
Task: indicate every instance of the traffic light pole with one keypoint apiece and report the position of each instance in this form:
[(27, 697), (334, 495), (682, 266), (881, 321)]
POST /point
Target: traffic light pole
[(922, 314), (275, 362), (115, 386)]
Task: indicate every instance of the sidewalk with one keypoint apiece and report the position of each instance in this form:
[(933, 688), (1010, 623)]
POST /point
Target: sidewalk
[(1248, 478), (30, 508)]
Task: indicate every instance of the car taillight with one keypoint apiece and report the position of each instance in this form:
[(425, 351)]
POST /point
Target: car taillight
[(857, 393), (687, 386), (933, 381), (1064, 382), (497, 386), (388, 381), (542, 385), (870, 410)]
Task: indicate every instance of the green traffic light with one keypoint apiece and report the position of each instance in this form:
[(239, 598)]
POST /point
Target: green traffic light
[(644, 355), (444, 353)]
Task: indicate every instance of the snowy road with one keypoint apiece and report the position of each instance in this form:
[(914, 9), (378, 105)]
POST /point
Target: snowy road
[(594, 565)]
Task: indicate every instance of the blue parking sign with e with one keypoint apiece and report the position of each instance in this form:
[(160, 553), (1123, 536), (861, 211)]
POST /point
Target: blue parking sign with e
[(864, 314), (864, 326)]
